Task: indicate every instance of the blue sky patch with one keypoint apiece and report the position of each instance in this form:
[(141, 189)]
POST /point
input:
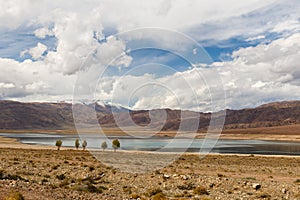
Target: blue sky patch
[(12, 43)]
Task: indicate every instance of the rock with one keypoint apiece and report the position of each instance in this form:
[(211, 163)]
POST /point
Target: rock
[(256, 186), (165, 176), (236, 187), (284, 191), (184, 177), (211, 185)]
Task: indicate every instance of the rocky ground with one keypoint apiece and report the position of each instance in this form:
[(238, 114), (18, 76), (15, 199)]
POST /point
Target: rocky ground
[(70, 174)]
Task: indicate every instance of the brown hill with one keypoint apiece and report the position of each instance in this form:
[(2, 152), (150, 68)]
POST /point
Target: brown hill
[(17, 115), (267, 115)]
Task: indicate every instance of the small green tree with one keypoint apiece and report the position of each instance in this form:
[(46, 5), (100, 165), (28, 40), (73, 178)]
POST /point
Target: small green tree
[(104, 145), (77, 143), (116, 144), (58, 144), (84, 144)]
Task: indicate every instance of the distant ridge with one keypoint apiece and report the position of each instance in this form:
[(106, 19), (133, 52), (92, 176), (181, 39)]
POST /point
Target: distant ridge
[(22, 116)]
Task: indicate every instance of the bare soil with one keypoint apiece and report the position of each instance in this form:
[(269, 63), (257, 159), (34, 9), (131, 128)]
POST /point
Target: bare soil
[(75, 174)]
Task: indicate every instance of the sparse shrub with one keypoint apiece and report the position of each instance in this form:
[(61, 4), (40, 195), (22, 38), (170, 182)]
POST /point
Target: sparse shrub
[(61, 177), (251, 178), (44, 181), (205, 198), (116, 144), (135, 196), (178, 195), (91, 188), (77, 144), (58, 144), (88, 188), (87, 180), (64, 183), (84, 144), (101, 187), (55, 167), (91, 168), (152, 192), (265, 196), (1, 174), (104, 145), (114, 171), (127, 189), (14, 196), (11, 176), (159, 196), (200, 190), (78, 158), (189, 186)]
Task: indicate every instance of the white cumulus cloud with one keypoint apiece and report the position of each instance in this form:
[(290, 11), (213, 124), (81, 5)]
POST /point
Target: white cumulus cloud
[(36, 52), (7, 85), (266, 72), (43, 32)]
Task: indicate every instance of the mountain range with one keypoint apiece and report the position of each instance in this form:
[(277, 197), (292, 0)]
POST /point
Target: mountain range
[(53, 116)]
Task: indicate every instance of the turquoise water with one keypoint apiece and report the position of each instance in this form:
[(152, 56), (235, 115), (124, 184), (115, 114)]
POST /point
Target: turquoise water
[(166, 144)]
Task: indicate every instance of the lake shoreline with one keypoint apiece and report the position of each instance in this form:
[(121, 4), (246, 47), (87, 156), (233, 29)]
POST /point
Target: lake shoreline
[(13, 143), (280, 133)]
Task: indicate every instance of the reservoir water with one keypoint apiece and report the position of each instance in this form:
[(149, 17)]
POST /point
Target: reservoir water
[(165, 144)]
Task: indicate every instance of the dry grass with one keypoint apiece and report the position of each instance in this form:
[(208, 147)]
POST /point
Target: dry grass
[(276, 130), (14, 195)]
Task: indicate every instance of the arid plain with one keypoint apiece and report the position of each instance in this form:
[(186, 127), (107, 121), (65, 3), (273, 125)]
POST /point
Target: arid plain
[(42, 172)]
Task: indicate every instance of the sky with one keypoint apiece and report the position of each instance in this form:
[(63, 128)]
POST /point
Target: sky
[(195, 55)]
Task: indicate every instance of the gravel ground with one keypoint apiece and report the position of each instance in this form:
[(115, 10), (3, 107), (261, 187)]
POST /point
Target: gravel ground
[(70, 174)]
